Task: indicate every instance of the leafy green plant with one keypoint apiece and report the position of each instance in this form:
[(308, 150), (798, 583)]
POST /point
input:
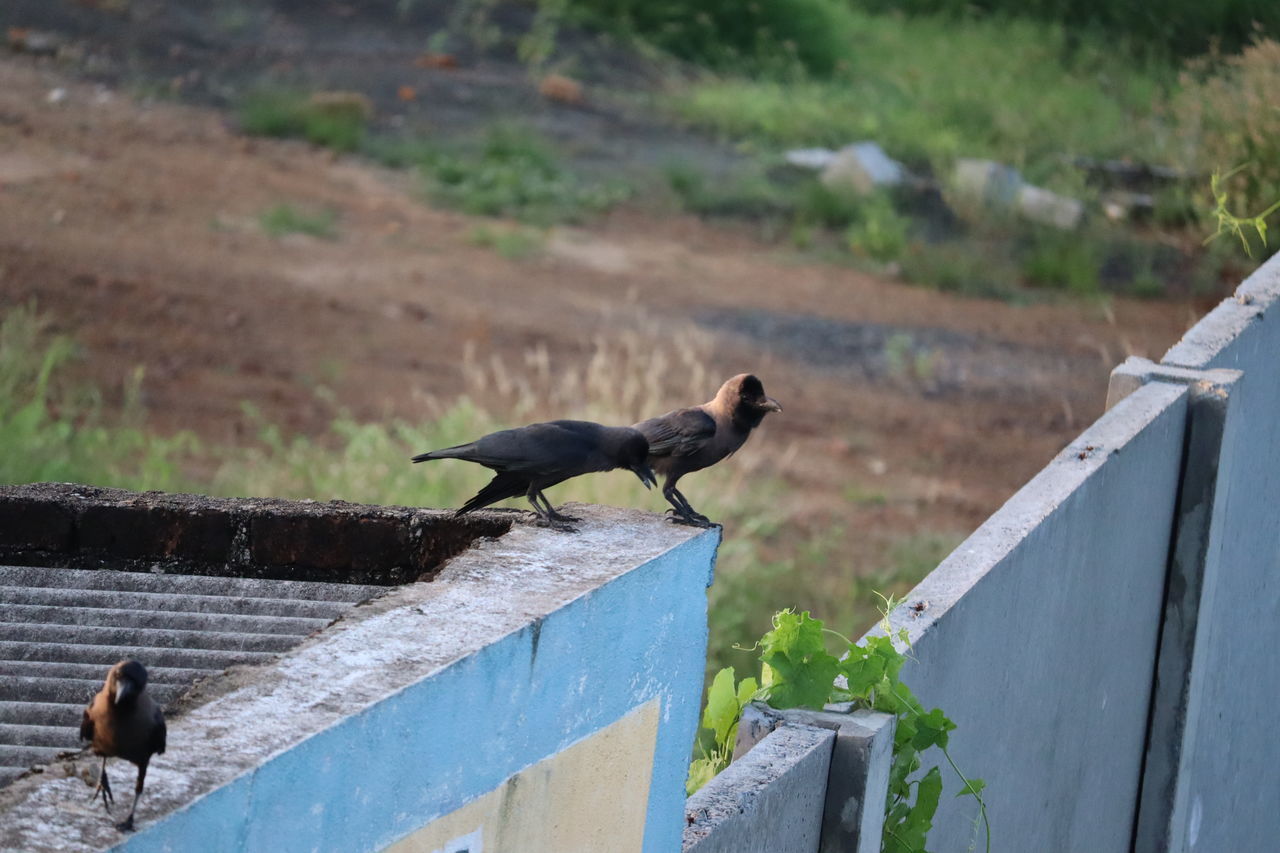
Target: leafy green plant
[(281, 219), (798, 671), (720, 717), (1230, 223), (880, 232)]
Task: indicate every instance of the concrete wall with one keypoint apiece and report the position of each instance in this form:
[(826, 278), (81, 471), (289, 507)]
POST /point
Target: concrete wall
[(1039, 637), (1106, 640), (540, 694), (1228, 772)]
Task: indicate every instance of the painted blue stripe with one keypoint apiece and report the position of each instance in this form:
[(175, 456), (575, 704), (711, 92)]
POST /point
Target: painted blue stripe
[(387, 771)]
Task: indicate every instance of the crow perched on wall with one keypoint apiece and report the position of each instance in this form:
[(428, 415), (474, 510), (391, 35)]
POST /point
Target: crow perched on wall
[(692, 439), (536, 457), (123, 722)]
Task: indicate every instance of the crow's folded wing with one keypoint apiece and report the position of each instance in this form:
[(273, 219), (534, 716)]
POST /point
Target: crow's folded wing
[(680, 433)]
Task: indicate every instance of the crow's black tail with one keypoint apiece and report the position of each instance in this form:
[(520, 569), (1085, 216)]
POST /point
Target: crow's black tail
[(501, 487), (459, 451)]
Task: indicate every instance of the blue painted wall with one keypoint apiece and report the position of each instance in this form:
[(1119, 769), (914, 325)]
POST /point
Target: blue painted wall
[(379, 775)]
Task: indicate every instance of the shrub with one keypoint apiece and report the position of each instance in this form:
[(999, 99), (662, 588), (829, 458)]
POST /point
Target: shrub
[(1182, 26), (1228, 115), (774, 35)]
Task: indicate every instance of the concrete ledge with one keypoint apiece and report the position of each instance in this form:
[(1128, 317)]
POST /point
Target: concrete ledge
[(85, 527), (1209, 340), (858, 779), (772, 799), (422, 700)]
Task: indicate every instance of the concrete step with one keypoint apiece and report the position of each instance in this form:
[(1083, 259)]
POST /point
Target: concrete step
[(59, 737), (166, 601), (62, 629), (29, 576), (27, 756), (167, 620), (73, 690), (98, 672), (106, 655), (60, 714), (159, 638)]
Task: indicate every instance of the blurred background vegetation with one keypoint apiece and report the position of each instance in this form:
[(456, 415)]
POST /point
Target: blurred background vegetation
[(1057, 89)]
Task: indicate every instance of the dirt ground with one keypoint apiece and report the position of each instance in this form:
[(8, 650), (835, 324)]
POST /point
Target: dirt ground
[(135, 228)]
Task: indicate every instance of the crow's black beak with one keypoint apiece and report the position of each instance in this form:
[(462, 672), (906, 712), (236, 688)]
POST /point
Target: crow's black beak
[(125, 690), (645, 473), (771, 405)]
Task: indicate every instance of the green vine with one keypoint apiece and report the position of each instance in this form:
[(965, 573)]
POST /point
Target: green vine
[(798, 671), (1228, 222)]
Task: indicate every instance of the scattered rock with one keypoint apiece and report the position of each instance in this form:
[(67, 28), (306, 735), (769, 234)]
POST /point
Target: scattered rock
[(862, 167), (36, 42), (987, 183), (1123, 206), (407, 93), (1049, 208), (557, 87), (56, 96), (810, 158)]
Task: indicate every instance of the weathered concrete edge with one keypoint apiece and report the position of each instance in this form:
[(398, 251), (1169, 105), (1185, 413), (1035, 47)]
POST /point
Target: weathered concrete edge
[(1008, 527), (772, 799), (69, 525), (1198, 511), (1218, 329), (501, 587), (859, 772)]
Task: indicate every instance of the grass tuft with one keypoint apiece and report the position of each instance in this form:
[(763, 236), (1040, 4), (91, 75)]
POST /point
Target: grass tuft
[(281, 219), (333, 120)]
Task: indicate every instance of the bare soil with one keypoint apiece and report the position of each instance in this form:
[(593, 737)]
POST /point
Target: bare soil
[(135, 227)]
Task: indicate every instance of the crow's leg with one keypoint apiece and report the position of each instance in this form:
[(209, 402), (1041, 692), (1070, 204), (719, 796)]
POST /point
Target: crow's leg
[(697, 516), (104, 788), (546, 514), (683, 513), (551, 511), (126, 825)]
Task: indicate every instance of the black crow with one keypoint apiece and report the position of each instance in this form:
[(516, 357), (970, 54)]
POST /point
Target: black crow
[(536, 457), (123, 722), (692, 439)]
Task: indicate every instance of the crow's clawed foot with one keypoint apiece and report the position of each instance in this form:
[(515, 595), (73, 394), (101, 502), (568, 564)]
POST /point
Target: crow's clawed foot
[(126, 825), (553, 524), (559, 516), (692, 519), (103, 792)]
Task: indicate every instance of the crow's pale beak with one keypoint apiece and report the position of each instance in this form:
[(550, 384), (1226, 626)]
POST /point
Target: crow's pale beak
[(771, 405), (645, 473), (125, 690)]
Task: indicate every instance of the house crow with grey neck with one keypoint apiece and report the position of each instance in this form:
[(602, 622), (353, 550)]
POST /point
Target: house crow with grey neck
[(688, 440)]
